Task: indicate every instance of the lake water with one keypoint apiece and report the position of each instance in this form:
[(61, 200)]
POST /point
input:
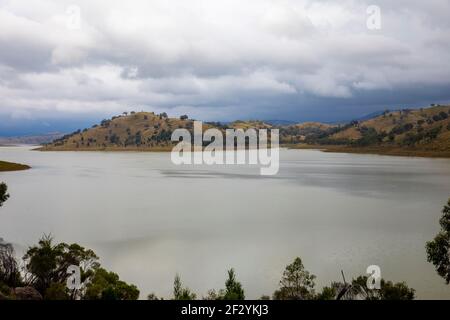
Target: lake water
[(148, 219)]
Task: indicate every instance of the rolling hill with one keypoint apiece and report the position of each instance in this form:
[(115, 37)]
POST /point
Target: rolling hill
[(424, 131), (144, 131)]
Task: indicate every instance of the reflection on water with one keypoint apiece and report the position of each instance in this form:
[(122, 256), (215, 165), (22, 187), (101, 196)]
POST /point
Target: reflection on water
[(148, 219)]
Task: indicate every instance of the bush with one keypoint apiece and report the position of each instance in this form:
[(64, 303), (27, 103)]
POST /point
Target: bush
[(3, 193), (180, 293), (9, 269), (107, 286), (438, 249), (296, 283), (233, 288)]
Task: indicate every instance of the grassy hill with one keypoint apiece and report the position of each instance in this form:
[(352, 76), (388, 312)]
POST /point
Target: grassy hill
[(423, 131), (141, 130), (144, 131), (304, 132)]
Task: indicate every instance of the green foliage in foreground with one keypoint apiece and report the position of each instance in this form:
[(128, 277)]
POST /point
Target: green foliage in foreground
[(233, 288), (180, 293), (296, 283), (46, 265), (357, 290), (3, 193), (45, 270), (438, 250), (106, 285)]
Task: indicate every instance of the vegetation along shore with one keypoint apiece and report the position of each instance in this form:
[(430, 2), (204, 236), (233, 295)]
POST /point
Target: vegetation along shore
[(423, 132)]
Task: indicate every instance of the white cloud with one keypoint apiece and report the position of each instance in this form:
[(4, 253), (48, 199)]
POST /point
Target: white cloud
[(228, 54)]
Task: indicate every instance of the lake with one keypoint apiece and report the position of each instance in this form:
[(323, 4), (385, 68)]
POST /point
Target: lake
[(148, 219)]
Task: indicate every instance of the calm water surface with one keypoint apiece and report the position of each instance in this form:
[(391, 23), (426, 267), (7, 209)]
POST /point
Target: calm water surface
[(148, 219)]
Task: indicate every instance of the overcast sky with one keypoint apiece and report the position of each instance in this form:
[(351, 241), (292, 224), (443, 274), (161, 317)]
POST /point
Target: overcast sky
[(219, 60)]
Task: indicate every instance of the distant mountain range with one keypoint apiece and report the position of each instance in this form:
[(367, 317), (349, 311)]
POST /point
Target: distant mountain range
[(425, 130), (280, 122), (34, 139)]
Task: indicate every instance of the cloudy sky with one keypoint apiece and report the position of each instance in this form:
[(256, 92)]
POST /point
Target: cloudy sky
[(69, 63)]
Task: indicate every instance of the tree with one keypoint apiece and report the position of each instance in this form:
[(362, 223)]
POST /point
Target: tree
[(296, 283), (184, 117), (9, 268), (438, 250), (358, 290), (212, 295), (3, 193), (153, 296), (47, 264), (57, 291), (163, 115), (233, 288), (106, 285), (180, 293)]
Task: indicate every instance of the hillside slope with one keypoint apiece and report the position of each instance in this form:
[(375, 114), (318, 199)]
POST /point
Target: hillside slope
[(423, 131), (424, 128), (144, 131)]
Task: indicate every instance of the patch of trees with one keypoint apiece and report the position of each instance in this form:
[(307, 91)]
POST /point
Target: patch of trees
[(357, 290), (105, 123), (3, 193), (45, 274), (60, 141), (438, 250), (114, 139), (218, 125), (369, 137), (138, 138), (440, 116), (162, 136), (297, 283), (400, 129), (412, 139), (312, 135)]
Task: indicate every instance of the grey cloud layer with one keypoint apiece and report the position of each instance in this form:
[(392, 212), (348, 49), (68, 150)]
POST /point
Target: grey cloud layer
[(219, 58)]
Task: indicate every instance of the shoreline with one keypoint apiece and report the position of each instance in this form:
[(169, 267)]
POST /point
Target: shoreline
[(11, 166), (118, 149), (383, 151), (387, 151)]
